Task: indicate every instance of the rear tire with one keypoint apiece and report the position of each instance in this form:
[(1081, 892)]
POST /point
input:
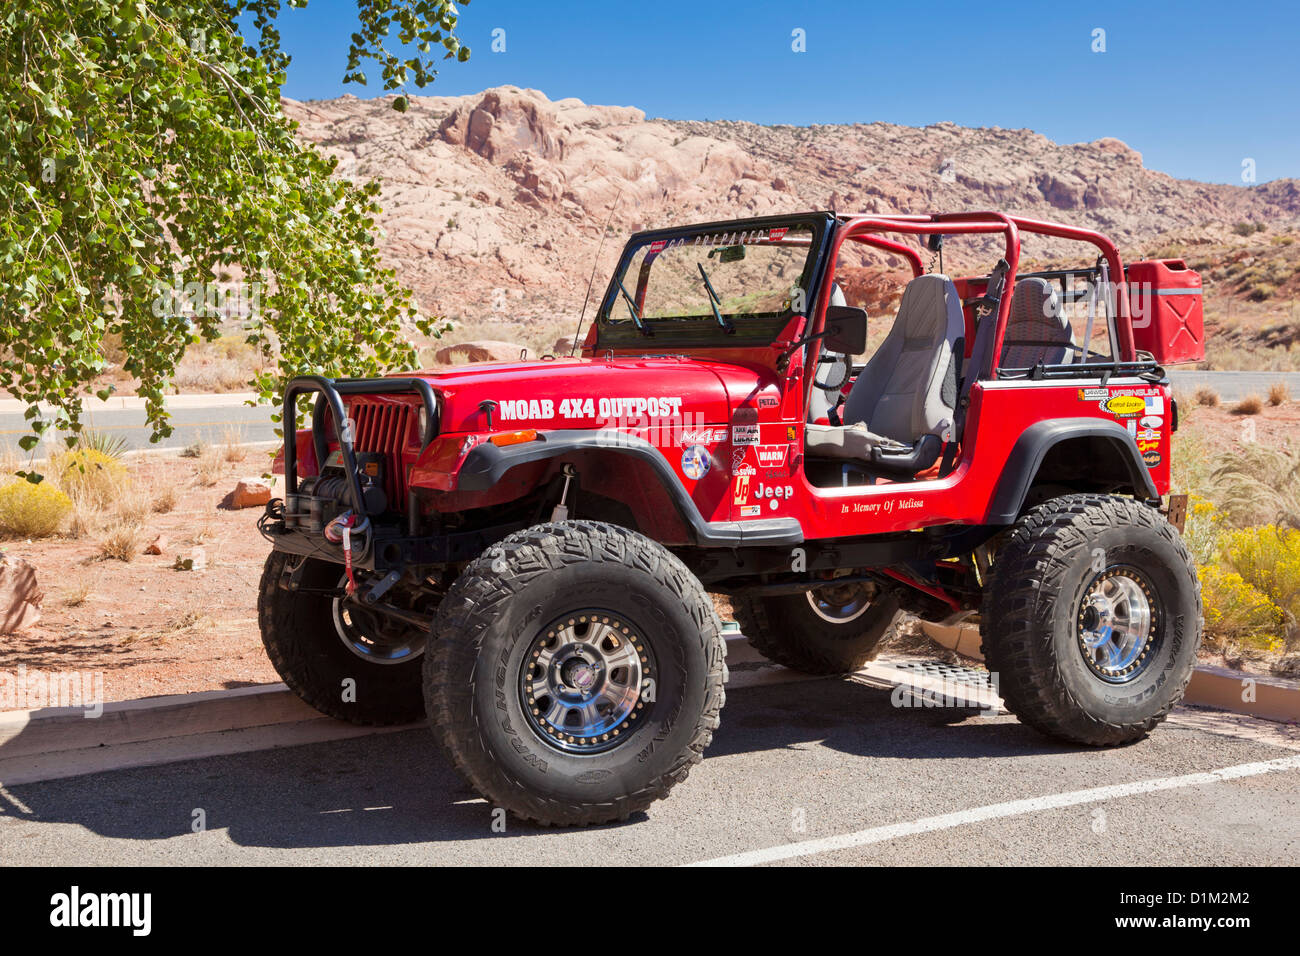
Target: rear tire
[(789, 630), (1092, 619), (307, 651), (575, 673)]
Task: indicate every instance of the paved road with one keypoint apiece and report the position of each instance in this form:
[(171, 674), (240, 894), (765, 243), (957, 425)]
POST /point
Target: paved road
[(825, 760), (1233, 386), (210, 418)]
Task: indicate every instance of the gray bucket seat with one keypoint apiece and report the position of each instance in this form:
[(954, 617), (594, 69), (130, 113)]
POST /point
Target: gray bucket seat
[(909, 387)]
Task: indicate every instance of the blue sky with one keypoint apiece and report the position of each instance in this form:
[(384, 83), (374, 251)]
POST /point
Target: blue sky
[(1196, 87)]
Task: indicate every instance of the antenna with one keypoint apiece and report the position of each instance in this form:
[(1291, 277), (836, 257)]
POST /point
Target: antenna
[(594, 265)]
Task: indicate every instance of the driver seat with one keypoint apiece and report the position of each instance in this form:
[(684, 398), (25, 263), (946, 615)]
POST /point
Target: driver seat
[(900, 410)]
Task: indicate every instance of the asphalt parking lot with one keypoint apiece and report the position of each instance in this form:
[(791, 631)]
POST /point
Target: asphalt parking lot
[(812, 772)]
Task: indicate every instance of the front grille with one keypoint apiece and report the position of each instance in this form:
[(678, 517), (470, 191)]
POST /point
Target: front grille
[(385, 429)]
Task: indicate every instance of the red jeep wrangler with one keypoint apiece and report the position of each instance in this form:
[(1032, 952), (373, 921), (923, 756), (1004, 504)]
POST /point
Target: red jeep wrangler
[(526, 550)]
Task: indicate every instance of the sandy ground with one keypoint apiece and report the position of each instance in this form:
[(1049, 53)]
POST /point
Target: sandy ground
[(149, 628)]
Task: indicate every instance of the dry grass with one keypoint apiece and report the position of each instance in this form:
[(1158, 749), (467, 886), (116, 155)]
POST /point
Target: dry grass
[(78, 594), (209, 467), (121, 542), (165, 498), (1207, 396), (1250, 405), (1278, 394), (191, 622), (135, 506), (87, 517), (233, 449)]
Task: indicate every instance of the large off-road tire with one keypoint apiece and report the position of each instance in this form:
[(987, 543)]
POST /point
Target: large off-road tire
[(575, 673), (828, 631), (311, 653), (1092, 619)]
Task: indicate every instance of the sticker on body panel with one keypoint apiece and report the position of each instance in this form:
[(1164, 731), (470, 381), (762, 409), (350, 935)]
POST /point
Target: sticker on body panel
[(744, 434), (739, 466), (771, 456), (696, 462)]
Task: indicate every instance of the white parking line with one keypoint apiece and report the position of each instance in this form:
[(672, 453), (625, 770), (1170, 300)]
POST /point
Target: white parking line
[(995, 811)]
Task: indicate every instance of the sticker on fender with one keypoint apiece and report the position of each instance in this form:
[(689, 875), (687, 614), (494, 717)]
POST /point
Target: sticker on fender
[(695, 462)]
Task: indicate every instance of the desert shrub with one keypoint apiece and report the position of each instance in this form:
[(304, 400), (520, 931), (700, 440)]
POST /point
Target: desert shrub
[(1278, 394), (1269, 559), (1258, 485), (1236, 612), (1207, 396), (32, 511), (1250, 405), (90, 474), (122, 541)]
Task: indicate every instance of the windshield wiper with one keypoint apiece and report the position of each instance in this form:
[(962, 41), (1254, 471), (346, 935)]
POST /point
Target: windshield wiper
[(715, 301), (631, 307)]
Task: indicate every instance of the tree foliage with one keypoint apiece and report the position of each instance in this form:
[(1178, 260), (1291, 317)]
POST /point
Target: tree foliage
[(149, 174)]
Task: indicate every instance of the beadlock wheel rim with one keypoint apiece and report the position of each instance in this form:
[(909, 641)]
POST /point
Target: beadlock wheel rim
[(1116, 624), (585, 681)]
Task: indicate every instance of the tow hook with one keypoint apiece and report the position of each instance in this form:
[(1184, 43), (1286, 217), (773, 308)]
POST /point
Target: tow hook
[(561, 511)]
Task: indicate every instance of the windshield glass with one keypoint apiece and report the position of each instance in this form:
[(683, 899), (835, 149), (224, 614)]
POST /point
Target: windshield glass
[(719, 279)]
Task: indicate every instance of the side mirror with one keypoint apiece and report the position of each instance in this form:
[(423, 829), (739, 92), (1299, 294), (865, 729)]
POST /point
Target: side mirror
[(846, 329)]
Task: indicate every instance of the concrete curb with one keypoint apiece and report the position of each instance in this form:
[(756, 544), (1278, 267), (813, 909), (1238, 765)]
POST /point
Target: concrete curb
[(1271, 698), (54, 743), (51, 743)]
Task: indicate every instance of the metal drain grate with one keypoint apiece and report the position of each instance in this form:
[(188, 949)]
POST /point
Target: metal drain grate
[(948, 673)]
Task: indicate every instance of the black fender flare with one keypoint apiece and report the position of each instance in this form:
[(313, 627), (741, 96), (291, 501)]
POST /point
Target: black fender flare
[(1038, 439), (486, 463)]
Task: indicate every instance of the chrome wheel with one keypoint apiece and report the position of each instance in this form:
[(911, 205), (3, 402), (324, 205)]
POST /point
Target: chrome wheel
[(374, 637), (838, 604), (585, 680), (1116, 624)]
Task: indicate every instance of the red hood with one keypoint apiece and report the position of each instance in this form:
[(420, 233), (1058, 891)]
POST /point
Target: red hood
[(591, 393)]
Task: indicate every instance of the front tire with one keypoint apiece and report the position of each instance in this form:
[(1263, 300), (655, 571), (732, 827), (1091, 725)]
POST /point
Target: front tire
[(575, 673), (1092, 619), (319, 648), (832, 630)]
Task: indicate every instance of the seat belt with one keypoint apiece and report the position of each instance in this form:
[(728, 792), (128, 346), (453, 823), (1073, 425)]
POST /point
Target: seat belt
[(986, 316)]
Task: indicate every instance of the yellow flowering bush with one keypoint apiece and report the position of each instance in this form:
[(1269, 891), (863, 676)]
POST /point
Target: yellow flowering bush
[(32, 511), (90, 475), (1236, 612)]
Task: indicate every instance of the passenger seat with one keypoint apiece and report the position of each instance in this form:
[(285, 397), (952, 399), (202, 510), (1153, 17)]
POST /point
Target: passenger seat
[(908, 389)]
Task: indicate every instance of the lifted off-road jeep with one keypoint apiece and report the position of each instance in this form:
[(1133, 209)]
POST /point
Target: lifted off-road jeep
[(526, 550)]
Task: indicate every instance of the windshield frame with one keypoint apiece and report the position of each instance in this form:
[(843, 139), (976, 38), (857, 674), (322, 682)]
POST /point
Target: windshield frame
[(694, 332)]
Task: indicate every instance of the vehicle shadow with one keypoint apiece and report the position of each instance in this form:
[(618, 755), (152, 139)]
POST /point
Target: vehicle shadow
[(395, 788)]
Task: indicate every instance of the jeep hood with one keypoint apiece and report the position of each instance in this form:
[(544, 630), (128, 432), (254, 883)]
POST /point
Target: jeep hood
[(590, 393)]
